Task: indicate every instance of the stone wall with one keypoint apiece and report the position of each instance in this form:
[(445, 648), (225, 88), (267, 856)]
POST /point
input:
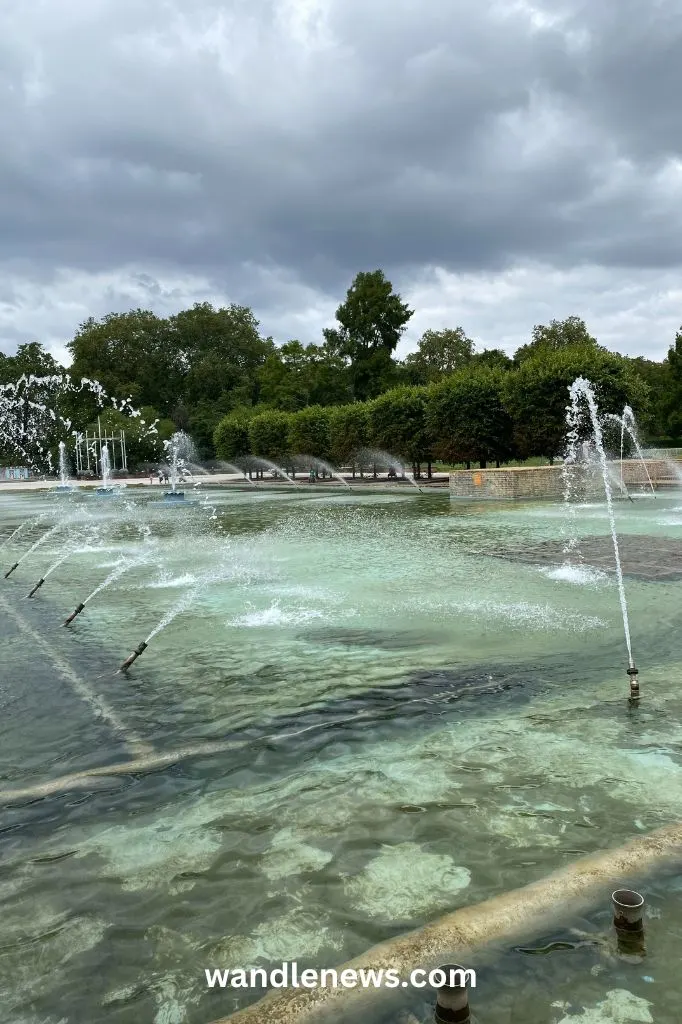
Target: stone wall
[(542, 482)]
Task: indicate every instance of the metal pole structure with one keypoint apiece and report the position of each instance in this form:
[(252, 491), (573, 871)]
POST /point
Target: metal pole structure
[(99, 428), (124, 453)]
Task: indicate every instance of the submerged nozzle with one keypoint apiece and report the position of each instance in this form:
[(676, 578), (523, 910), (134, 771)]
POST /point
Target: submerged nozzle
[(633, 672), (452, 1002), (73, 614), (37, 586), (133, 657), (10, 571)]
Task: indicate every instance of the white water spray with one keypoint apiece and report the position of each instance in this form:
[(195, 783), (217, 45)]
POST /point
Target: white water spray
[(582, 389)]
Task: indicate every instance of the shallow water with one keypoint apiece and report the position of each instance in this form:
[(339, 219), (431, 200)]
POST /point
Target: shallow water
[(411, 725)]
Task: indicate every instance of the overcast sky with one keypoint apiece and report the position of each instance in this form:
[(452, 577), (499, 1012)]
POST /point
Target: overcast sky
[(504, 162)]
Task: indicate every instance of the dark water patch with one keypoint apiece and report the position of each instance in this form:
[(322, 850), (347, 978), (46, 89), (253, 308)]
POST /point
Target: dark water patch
[(386, 639), (647, 558)]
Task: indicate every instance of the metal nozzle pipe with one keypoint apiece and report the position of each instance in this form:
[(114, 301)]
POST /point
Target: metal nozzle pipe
[(633, 672), (133, 657), (628, 910), (452, 1001), (37, 586), (73, 614), (10, 571), (628, 914)]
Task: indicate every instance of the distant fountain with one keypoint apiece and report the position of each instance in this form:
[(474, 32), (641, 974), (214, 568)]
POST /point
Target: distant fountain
[(311, 462), (582, 394), (63, 486), (375, 456), (105, 471), (179, 453), (627, 423)]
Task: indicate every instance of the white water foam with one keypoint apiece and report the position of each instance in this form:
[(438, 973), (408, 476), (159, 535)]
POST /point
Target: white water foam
[(275, 615), (582, 575)]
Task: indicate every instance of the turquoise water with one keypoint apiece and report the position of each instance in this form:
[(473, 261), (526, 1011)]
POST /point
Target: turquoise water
[(409, 724)]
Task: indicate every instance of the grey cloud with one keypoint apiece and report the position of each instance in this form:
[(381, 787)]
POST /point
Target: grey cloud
[(207, 136)]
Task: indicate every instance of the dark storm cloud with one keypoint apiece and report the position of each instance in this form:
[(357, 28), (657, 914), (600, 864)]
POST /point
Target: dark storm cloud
[(327, 136)]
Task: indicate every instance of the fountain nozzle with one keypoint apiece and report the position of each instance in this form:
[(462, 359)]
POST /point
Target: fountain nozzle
[(73, 614), (10, 571), (133, 657), (37, 586), (633, 672)]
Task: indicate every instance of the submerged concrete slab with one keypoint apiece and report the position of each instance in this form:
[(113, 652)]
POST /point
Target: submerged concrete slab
[(652, 559)]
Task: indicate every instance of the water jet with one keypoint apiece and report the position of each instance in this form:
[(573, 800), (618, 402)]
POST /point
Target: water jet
[(37, 586), (73, 614), (582, 396), (10, 571), (134, 656)]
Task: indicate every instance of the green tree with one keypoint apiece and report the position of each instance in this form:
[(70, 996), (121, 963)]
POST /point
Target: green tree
[(560, 334), (231, 438), (349, 431), (398, 425), (221, 351), (492, 357), (655, 420), (372, 320), (309, 432), (439, 353), (673, 397), (269, 435), (536, 394), (132, 356), (467, 420)]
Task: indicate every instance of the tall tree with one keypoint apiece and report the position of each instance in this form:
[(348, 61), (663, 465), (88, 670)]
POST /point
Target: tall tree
[(132, 355), (439, 353), (569, 333), (372, 320), (673, 401)]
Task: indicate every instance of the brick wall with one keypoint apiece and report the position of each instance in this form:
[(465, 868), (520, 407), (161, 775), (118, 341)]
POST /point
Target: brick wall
[(547, 481)]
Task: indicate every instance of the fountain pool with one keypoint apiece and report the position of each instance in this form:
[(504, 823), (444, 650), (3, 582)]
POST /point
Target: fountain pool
[(403, 722)]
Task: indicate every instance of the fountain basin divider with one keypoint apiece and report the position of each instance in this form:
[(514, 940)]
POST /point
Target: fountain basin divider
[(543, 482), (507, 916)]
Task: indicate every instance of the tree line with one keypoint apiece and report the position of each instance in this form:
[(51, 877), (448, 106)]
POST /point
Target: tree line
[(209, 371)]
